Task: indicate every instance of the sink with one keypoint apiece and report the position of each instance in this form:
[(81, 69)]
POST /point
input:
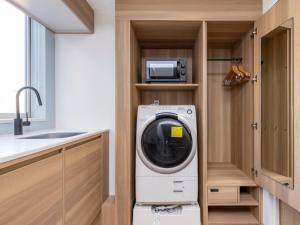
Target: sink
[(54, 135)]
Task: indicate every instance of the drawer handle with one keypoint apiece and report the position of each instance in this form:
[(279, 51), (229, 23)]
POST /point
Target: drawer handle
[(214, 190)]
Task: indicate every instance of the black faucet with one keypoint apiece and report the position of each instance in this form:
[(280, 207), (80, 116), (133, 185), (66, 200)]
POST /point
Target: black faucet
[(18, 122)]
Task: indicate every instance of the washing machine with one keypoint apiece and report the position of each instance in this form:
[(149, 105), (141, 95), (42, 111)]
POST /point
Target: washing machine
[(166, 155)]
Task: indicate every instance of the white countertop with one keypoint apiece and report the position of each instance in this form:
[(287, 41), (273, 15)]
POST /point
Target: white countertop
[(12, 147)]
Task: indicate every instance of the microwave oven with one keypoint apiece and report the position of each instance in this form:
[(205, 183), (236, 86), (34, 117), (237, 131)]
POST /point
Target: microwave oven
[(165, 70)]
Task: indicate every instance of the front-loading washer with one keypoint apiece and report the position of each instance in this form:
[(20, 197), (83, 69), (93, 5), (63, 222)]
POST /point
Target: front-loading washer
[(166, 155)]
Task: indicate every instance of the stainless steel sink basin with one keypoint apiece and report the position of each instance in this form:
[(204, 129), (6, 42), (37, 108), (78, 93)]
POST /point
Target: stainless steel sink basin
[(54, 135)]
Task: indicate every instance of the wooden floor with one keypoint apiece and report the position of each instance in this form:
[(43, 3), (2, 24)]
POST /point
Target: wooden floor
[(108, 211)]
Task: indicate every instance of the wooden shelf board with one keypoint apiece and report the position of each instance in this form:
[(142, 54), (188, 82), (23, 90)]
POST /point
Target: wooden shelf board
[(227, 174), (246, 199), (166, 87), (225, 216)]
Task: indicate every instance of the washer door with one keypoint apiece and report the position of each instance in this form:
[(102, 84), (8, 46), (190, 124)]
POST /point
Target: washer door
[(167, 144)]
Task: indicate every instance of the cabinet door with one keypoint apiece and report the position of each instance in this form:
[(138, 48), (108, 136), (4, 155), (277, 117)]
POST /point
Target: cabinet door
[(83, 182), (32, 194), (277, 104)]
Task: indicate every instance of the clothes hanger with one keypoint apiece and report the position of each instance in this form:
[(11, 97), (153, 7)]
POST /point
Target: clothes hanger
[(233, 76), (242, 69)]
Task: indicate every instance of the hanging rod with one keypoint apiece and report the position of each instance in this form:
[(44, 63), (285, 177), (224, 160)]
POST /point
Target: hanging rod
[(226, 59)]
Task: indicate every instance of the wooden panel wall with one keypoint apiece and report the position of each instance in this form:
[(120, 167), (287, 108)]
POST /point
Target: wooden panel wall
[(189, 9), (169, 53), (200, 100), (219, 109), (242, 110), (276, 149), (230, 110), (168, 97), (124, 125)]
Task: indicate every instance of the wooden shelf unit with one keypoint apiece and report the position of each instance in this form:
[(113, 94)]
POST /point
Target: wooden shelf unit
[(245, 199), (224, 116), (166, 87), (231, 216), (231, 158)]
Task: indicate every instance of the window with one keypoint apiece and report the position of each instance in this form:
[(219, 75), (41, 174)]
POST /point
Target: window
[(13, 58), (27, 58)]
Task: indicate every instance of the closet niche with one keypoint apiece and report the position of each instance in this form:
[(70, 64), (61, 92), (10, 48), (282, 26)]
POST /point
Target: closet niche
[(232, 195), (277, 104), (230, 108)]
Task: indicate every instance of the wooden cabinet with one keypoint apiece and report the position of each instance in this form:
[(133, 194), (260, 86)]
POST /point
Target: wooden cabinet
[(222, 195), (31, 192), (82, 182), (63, 186), (229, 118)]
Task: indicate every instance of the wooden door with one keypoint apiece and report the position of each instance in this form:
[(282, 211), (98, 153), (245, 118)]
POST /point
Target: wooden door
[(288, 190), (31, 192), (83, 182)]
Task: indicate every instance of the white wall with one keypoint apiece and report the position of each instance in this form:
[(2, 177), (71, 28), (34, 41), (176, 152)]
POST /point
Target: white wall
[(85, 78), (270, 209), (267, 4)]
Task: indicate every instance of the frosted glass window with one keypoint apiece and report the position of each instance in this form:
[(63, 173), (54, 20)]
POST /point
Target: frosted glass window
[(12, 58)]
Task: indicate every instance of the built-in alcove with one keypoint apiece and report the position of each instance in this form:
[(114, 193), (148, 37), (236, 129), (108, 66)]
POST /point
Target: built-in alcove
[(167, 39)]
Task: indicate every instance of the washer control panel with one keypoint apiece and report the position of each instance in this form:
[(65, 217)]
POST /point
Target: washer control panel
[(188, 111)]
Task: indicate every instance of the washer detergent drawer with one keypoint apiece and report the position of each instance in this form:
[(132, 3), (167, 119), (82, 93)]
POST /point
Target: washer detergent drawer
[(166, 190), (222, 195)]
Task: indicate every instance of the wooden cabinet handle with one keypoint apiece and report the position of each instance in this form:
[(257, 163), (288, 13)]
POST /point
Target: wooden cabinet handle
[(214, 190), (29, 161)]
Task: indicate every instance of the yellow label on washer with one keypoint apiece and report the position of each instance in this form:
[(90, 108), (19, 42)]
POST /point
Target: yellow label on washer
[(176, 132)]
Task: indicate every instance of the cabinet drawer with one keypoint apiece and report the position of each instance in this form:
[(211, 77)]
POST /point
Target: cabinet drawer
[(222, 195)]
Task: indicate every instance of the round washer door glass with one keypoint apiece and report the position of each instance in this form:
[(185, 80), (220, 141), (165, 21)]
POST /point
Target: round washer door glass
[(166, 142)]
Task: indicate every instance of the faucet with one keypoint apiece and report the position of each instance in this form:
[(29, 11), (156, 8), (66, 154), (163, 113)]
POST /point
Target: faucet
[(18, 122)]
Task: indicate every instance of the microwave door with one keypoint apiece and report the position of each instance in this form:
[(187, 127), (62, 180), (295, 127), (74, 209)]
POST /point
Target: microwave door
[(163, 70)]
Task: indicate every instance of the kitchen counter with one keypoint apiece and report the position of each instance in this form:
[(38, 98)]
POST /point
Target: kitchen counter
[(13, 147)]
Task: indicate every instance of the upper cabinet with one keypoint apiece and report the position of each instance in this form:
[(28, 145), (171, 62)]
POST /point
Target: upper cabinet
[(60, 16), (276, 101)]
